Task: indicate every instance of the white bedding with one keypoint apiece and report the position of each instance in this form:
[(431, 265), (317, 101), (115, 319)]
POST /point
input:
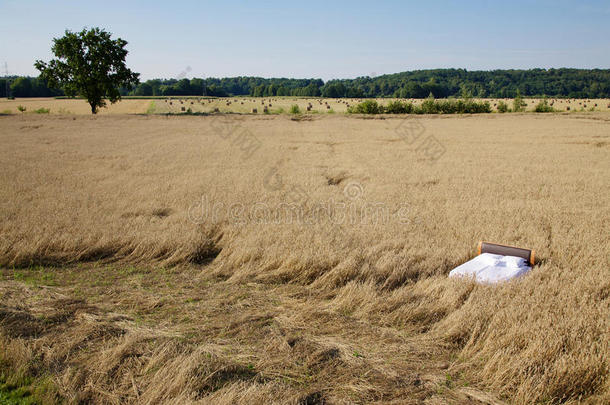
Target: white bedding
[(490, 268)]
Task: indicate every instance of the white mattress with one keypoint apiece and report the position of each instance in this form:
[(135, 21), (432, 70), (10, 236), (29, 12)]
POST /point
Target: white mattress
[(490, 268)]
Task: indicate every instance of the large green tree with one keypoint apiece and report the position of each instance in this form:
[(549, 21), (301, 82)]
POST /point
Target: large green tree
[(89, 64)]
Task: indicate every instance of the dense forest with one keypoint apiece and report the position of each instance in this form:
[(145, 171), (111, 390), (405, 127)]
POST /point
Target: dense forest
[(573, 83)]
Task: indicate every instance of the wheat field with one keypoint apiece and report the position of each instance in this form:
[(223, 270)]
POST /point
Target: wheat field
[(304, 259)]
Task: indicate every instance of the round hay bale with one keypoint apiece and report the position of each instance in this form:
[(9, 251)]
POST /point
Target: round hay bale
[(254, 111), (182, 108), (568, 108), (216, 110)]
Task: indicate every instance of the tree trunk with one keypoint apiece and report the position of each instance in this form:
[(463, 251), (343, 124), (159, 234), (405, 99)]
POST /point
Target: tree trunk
[(93, 108)]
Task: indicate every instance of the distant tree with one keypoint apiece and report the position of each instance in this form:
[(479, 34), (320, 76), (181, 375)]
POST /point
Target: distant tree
[(355, 92), (311, 90), (258, 91), (216, 91), (21, 87), (3, 87), (156, 86), (143, 89), (269, 91), (465, 91), (197, 87), (283, 91), (183, 87), (330, 91), (413, 90), (89, 64), (574, 83)]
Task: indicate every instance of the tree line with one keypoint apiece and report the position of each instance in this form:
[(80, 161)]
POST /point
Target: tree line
[(440, 83)]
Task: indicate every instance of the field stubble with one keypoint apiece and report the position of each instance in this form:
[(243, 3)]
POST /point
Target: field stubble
[(166, 274), (245, 105)]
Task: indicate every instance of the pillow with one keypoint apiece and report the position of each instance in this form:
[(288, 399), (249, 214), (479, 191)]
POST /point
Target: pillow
[(489, 258), (514, 261)]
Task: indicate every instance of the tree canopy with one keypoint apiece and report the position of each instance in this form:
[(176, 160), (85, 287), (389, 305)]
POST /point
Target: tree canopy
[(89, 64), (573, 83)]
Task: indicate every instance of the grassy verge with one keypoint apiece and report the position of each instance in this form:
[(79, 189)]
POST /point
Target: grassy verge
[(17, 389)]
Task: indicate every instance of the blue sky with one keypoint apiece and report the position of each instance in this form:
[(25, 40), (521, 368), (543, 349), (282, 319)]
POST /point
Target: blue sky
[(325, 39)]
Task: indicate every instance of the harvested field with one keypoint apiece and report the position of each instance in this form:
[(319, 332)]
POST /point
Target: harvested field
[(245, 105), (256, 259)]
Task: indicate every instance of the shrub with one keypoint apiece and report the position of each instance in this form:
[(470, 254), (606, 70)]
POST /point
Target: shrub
[(429, 106), (399, 107), (294, 109), (21, 109), (366, 107), (474, 107), (468, 106), (543, 107), (518, 103), (502, 107), (42, 110)]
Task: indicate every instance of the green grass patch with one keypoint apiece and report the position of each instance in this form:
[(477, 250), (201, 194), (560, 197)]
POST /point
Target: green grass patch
[(36, 276), (21, 390), (151, 108)]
